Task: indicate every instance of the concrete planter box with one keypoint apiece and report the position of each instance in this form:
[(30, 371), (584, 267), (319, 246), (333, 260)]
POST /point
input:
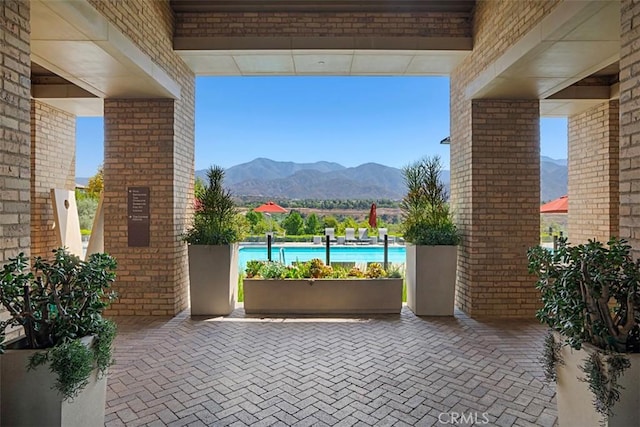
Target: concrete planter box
[(29, 399), (575, 407), (322, 296), (213, 279), (431, 279)]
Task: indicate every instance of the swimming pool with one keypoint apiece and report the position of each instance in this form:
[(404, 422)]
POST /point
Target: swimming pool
[(305, 253)]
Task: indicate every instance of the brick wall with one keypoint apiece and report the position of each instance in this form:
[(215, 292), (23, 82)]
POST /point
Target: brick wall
[(324, 24), (15, 86), (15, 68), (139, 152), (629, 125), (497, 25), (149, 24), (53, 165), (504, 208), (593, 174)]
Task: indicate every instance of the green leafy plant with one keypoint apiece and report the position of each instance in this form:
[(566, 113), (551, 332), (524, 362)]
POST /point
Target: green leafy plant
[(590, 295), (216, 219), (375, 271), (426, 216), (57, 303), (313, 269)]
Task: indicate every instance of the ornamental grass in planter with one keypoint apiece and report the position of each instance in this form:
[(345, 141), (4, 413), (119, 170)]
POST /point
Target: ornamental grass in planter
[(315, 288), (432, 239), (213, 249), (59, 305), (591, 301)]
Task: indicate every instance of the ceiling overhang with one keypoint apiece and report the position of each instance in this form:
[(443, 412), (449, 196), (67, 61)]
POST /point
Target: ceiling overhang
[(575, 40), (73, 40), (322, 5), (322, 62)]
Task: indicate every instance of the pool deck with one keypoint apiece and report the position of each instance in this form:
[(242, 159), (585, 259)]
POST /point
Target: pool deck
[(399, 370)]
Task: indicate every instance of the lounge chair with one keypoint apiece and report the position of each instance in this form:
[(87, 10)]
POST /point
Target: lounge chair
[(381, 233), (330, 233), (349, 235), (317, 240), (363, 236)]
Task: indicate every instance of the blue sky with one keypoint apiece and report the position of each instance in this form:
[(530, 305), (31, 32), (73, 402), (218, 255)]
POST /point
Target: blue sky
[(348, 120)]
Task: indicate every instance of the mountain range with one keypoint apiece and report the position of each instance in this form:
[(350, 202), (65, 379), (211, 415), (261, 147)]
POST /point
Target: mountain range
[(326, 180)]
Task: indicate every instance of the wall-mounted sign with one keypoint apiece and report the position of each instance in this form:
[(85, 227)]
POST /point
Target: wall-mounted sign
[(138, 216)]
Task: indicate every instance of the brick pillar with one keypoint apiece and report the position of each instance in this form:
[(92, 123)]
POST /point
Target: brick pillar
[(144, 148), (593, 174), (15, 72), (499, 199), (53, 165), (629, 124)]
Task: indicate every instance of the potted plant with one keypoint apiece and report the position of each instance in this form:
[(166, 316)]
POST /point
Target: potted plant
[(315, 288), (56, 373), (432, 240), (213, 248), (591, 301)]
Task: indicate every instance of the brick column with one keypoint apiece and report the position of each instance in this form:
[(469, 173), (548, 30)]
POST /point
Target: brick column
[(53, 165), (629, 124), (144, 148), (15, 72), (593, 174), (498, 196)]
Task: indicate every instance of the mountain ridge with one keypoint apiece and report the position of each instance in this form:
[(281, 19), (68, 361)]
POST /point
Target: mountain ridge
[(268, 178)]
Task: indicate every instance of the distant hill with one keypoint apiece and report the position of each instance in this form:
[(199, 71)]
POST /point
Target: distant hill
[(327, 180), (554, 178)]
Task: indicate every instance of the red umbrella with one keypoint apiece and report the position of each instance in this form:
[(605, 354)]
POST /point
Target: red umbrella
[(270, 207), (373, 220), (559, 205)]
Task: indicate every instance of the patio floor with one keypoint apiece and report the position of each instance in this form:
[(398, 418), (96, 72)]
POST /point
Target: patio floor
[(381, 370)]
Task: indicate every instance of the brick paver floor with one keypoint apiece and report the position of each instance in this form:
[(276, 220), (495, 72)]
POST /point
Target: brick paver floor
[(397, 370)]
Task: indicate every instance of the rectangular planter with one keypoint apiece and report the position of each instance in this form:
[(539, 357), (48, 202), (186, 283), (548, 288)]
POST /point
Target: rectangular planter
[(213, 279), (575, 400), (431, 279), (29, 399), (322, 296)]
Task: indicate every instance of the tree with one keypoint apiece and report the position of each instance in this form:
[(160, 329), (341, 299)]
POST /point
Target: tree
[(96, 183), (348, 222), (313, 224), (330, 221), (293, 224)]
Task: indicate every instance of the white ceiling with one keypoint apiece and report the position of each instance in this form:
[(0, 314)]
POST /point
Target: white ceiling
[(322, 62), (76, 42)]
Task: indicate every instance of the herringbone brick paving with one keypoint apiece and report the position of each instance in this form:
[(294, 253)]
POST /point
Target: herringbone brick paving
[(397, 370)]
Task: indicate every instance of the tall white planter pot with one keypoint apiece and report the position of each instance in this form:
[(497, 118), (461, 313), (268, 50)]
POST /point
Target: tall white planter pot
[(431, 279), (213, 279), (575, 400), (29, 399)]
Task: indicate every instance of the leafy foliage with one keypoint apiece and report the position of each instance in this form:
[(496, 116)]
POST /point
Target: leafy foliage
[(590, 295), (312, 224), (216, 220), (550, 357), (313, 269), (579, 283), (57, 303), (293, 224), (95, 186), (425, 212)]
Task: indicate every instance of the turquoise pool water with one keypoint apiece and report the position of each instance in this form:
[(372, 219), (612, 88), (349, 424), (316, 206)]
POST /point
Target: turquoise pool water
[(305, 253)]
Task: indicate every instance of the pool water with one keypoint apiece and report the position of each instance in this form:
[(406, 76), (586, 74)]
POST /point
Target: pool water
[(289, 254)]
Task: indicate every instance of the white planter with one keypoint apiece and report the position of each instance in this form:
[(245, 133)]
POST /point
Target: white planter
[(322, 296), (575, 400), (431, 279), (213, 279), (29, 399)]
